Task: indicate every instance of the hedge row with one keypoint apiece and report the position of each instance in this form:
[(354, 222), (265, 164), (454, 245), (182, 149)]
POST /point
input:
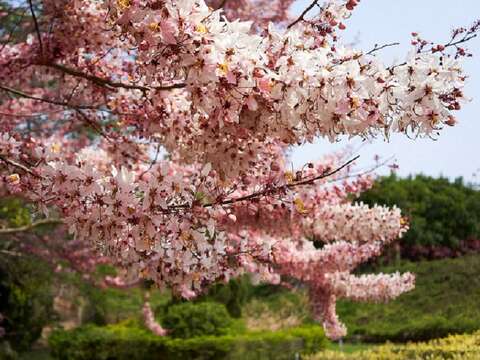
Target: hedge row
[(458, 347), (125, 342)]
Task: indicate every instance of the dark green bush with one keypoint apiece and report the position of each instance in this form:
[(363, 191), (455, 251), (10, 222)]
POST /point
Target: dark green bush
[(130, 343), (187, 320), (233, 294)]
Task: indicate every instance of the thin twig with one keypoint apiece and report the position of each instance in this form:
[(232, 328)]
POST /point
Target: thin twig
[(31, 226), (324, 175), (377, 48), (466, 38), (50, 101), (93, 125), (12, 30), (153, 162), (251, 196)]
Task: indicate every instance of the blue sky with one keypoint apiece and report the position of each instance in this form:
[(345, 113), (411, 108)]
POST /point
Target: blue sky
[(457, 150)]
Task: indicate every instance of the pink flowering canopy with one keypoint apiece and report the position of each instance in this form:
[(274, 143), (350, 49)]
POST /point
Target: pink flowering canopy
[(158, 132)]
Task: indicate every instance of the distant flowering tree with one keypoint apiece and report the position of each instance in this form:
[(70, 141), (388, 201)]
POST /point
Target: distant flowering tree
[(99, 91)]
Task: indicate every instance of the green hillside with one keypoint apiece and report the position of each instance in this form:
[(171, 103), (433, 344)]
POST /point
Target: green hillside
[(446, 300)]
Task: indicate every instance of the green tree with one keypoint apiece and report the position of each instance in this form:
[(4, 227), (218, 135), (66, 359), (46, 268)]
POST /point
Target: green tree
[(440, 212), (26, 300)]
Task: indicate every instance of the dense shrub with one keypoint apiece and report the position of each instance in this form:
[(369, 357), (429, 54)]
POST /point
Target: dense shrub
[(442, 214), (131, 343), (187, 320)]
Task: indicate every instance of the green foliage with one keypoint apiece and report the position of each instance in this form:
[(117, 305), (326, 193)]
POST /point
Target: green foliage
[(187, 320), (25, 299), (440, 212), (126, 342), (444, 301), (233, 294), (13, 212), (16, 212), (6, 351)]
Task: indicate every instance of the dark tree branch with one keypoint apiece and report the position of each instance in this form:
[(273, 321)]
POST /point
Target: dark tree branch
[(19, 166), (110, 83), (31, 226), (302, 15), (46, 100), (222, 4), (273, 190), (323, 175), (37, 28)]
